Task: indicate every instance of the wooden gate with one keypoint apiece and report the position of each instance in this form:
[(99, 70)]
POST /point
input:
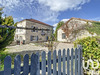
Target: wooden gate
[(68, 62)]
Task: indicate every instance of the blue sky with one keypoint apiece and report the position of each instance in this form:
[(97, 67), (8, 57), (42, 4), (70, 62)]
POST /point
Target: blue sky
[(51, 11)]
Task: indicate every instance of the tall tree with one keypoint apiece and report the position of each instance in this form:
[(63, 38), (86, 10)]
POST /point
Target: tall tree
[(1, 15), (6, 34)]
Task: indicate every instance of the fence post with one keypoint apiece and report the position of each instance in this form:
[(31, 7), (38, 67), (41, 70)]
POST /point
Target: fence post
[(54, 63), (72, 61), (81, 60), (49, 63), (7, 65), (68, 62), (26, 65), (59, 62), (38, 66), (17, 63), (81, 57), (43, 63), (64, 62), (34, 64), (76, 62)]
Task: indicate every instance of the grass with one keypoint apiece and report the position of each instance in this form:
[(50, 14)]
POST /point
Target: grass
[(95, 28)]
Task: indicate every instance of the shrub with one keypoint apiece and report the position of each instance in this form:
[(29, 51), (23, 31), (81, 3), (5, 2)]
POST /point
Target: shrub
[(91, 47)]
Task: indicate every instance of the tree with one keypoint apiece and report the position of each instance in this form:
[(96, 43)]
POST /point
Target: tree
[(1, 15), (58, 26), (6, 35), (8, 21)]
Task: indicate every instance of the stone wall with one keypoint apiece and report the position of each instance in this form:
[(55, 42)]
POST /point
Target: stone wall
[(26, 34), (75, 29)]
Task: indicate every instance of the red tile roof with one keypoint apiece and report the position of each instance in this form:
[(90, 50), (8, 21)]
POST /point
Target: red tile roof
[(76, 19), (36, 21)]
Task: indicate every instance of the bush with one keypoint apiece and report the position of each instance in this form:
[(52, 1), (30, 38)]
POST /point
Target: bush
[(91, 47)]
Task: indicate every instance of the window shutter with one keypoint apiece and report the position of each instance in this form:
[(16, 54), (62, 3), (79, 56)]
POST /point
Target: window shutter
[(31, 38), (31, 27), (37, 38)]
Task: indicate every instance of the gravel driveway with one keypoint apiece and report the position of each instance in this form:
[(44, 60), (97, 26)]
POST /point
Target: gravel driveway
[(31, 48)]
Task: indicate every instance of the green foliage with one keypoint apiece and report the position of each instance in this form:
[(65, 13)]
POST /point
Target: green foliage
[(2, 57), (95, 28), (91, 47), (1, 15), (58, 26), (3, 54), (8, 21), (6, 35)]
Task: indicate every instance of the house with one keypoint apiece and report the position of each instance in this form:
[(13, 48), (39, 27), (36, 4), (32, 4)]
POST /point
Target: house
[(73, 29), (23, 36)]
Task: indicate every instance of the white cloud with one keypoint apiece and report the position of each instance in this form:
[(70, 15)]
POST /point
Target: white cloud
[(55, 25), (61, 5), (34, 9), (43, 10), (64, 20)]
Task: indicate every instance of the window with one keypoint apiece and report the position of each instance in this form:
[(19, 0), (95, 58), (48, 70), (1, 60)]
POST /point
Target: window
[(48, 31), (32, 38), (36, 28), (63, 36), (32, 30), (20, 30), (20, 38), (42, 30)]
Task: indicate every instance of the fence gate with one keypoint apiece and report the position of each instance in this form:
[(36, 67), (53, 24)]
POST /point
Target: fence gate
[(66, 62)]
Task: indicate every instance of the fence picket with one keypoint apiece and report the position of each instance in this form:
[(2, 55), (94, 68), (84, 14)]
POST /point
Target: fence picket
[(17, 63), (7, 66), (64, 64), (38, 72), (49, 63), (34, 64), (43, 63), (54, 63), (72, 61), (79, 61), (26, 65), (76, 67), (68, 62), (59, 62)]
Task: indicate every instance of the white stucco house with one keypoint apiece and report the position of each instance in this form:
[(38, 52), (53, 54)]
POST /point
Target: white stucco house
[(74, 28), (23, 36)]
